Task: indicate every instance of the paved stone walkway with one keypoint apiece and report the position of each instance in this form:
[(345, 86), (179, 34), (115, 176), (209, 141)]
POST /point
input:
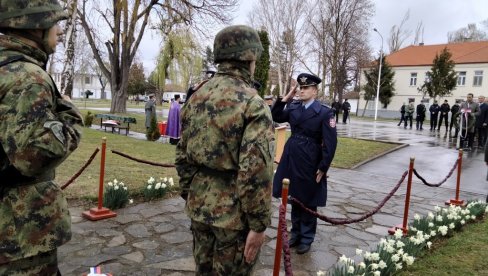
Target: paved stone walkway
[(154, 238)]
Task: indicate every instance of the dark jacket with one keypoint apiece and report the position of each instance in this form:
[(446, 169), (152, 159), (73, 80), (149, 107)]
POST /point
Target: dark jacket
[(336, 106), (482, 117), (445, 108), (420, 112), (434, 109), (311, 146)]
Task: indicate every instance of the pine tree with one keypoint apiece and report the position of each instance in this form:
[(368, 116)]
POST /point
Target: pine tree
[(442, 78), (262, 64), (208, 62), (387, 83), (152, 133)]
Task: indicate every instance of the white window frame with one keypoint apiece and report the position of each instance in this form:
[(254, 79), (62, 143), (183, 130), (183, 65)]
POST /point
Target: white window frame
[(413, 79), (461, 78), (478, 78)]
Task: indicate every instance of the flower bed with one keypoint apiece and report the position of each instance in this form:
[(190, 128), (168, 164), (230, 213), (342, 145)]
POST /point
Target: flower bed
[(399, 250)]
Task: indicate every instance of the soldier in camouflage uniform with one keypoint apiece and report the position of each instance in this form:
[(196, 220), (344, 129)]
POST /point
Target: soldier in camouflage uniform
[(38, 130), (224, 159)]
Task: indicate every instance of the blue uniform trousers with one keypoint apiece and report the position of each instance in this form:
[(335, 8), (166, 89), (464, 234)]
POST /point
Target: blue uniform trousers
[(304, 225)]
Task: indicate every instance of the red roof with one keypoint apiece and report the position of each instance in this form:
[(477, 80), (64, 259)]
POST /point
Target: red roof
[(423, 55)]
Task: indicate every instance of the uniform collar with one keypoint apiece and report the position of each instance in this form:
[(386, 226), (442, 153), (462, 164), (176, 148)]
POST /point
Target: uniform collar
[(239, 70), (10, 46)]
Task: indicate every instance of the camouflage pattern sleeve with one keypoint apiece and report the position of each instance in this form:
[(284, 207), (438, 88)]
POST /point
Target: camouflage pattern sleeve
[(185, 170), (40, 129), (255, 173)]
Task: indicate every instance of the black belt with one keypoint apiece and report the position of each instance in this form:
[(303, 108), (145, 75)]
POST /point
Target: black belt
[(210, 171), (306, 138)]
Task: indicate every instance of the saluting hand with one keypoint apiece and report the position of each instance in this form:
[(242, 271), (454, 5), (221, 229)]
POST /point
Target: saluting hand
[(290, 94), (319, 176)]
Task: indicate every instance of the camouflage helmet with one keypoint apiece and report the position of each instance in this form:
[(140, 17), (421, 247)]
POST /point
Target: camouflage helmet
[(30, 14), (239, 42)]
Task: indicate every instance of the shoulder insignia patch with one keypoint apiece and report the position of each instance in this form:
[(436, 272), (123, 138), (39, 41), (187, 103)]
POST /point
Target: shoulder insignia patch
[(332, 122), (57, 129)]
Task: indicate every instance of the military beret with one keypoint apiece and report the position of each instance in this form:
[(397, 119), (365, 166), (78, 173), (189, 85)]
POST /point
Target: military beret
[(305, 79)]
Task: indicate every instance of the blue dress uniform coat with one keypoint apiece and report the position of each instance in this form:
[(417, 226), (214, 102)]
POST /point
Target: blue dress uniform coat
[(311, 146)]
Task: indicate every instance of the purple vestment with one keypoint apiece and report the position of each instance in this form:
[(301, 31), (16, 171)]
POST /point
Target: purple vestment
[(173, 129)]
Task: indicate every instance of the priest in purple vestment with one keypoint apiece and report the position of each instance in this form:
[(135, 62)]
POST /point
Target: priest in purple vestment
[(173, 129)]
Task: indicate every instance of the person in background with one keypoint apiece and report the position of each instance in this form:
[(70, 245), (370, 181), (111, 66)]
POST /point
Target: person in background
[(336, 107), (409, 113), (173, 129), (445, 108), (468, 112), (402, 113), (150, 109), (39, 129), (225, 159), (346, 108), (482, 121), (307, 156), (454, 118), (420, 115), (434, 114), (269, 100)]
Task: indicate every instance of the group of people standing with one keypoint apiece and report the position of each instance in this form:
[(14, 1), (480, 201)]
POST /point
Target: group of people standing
[(345, 107), (469, 117), (173, 127)]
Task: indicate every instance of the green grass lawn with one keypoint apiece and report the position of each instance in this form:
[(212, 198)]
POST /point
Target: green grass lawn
[(134, 175), (466, 253)]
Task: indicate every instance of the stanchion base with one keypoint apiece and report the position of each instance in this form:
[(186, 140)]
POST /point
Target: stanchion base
[(392, 230), (456, 202), (98, 214)]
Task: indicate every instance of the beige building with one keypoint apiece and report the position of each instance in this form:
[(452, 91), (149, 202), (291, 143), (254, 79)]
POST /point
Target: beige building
[(413, 62)]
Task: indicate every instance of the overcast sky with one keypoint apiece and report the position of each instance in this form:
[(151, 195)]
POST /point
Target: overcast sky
[(438, 17)]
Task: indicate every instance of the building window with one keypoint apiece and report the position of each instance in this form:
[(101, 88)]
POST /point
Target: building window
[(413, 79), (411, 100), (461, 79), (87, 79), (427, 76), (478, 78)]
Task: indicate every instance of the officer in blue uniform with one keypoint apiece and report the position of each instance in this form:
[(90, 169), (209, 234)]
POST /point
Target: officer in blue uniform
[(307, 155)]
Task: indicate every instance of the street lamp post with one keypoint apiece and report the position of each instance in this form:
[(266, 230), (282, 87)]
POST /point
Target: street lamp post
[(379, 78)]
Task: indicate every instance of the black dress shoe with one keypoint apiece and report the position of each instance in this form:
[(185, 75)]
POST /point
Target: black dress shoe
[(293, 243), (303, 248)]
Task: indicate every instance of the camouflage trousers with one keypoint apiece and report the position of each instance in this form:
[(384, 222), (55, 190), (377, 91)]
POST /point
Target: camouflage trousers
[(219, 251), (44, 264)]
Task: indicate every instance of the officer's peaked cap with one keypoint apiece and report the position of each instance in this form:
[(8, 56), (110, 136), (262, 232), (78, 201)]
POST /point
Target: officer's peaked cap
[(305, 79)]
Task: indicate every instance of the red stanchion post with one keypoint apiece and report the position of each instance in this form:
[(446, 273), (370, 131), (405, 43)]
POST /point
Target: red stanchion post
[(392, 230), (279, 242), (457, 201), (100, 212)]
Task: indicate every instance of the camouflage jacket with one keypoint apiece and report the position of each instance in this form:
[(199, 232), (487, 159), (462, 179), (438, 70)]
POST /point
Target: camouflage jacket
[(224, 158), (38, 130)]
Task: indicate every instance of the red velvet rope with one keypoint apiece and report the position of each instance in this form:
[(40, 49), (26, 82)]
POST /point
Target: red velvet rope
[(442, 181), (342, 221), (284, 238), (143, 161), (74, 177)]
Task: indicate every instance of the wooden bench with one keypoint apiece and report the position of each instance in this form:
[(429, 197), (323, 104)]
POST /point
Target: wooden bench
[(115, 122)]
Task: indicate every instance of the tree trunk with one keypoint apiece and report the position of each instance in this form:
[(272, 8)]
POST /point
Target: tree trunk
[(67, 74), (365, 105)]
